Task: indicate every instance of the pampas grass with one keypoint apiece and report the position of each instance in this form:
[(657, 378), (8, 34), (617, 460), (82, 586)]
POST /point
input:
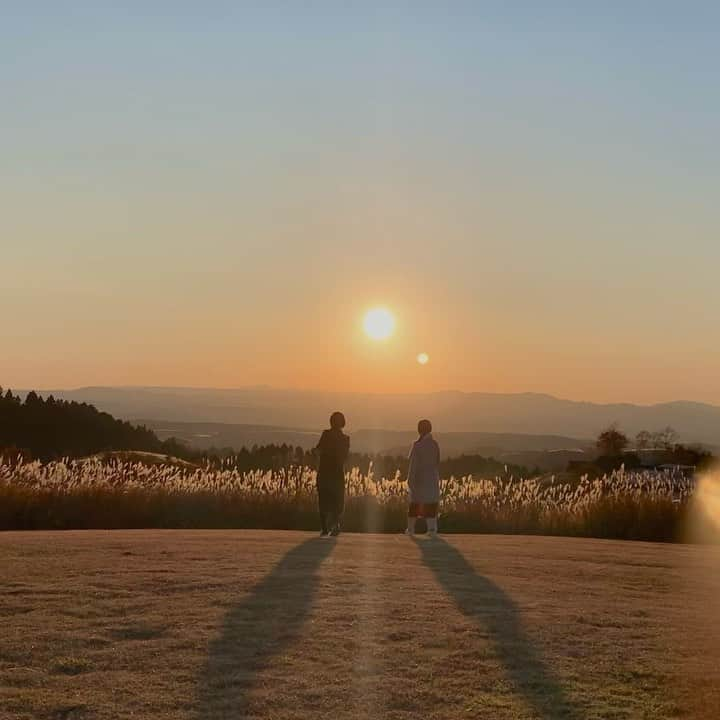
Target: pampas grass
[(648, 505)]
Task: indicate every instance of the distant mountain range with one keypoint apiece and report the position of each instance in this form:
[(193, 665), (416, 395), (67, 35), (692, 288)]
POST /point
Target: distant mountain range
[(302, 411)]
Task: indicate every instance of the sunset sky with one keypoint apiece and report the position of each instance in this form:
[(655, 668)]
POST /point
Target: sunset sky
[(209, 194)]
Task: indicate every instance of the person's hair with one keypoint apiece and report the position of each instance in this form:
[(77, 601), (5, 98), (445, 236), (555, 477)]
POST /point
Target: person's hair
[(337, 421), (424, 427)]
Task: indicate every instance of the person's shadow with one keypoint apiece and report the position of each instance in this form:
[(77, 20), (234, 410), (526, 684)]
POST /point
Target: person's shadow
[(258, 629), (487, 605)]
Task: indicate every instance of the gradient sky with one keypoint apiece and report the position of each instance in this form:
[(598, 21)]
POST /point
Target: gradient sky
[(211, 194)]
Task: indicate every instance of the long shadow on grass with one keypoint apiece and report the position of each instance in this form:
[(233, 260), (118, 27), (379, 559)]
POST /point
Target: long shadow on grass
[(260, 628), (490, 607)]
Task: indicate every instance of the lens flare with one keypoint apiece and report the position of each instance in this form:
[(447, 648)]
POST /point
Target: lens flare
[(704, 520), (423, 358)]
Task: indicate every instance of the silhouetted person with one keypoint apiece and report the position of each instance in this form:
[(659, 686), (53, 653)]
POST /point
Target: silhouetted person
[(333, 447), (424, 479)]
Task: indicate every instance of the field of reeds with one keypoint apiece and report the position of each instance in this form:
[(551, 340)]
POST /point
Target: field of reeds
[(96, 494)]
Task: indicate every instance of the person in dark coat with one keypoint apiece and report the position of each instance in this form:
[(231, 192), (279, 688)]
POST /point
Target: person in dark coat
[(333, 449)]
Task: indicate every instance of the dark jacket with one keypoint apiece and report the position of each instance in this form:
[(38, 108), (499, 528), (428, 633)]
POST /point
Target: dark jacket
[(333, 447)]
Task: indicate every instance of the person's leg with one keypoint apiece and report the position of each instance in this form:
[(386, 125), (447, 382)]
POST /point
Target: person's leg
[(412, 518), (323, 508), (338, 506), (430, 512)]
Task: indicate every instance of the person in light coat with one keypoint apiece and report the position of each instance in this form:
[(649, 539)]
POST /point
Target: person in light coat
[(424, 480)]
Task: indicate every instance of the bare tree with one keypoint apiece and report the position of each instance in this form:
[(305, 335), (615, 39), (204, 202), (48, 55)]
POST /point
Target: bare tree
[(611, 441), (644, 440), (667, 438)]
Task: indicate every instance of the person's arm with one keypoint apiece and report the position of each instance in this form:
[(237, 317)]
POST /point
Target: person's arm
[(412, 466), (319, 449)]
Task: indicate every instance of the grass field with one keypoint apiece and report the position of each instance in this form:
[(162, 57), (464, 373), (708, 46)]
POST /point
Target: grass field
[(274, 625)]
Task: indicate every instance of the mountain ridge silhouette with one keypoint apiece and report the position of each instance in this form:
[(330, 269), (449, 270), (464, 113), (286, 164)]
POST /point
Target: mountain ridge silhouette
[(451, 411)]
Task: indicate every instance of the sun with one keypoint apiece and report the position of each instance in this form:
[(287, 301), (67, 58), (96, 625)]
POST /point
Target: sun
[(379, 323)]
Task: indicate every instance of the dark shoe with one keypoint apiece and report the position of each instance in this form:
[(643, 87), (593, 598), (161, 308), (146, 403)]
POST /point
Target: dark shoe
[(335, 531)]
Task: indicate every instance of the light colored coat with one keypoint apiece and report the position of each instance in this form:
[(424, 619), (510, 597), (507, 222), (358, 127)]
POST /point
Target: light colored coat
[(424, 472)]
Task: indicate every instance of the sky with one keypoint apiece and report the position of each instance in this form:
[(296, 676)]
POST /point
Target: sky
[(213, 194)]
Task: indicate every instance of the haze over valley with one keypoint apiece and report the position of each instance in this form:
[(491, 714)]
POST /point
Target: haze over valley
[(465, 422)]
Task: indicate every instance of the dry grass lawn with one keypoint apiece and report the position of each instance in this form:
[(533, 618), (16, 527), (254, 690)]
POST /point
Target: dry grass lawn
[(275, 625)]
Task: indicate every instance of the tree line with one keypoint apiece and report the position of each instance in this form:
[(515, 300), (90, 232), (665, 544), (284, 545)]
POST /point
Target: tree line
[(276, 457), (48, 428), (615, 448)]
